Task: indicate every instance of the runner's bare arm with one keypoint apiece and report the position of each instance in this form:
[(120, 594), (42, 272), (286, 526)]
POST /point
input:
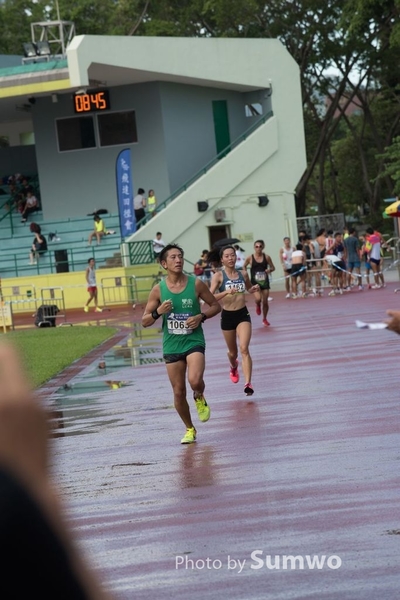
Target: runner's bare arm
[(215, 284), (249, 287), (271, 264), (247, 262), (205, 294)]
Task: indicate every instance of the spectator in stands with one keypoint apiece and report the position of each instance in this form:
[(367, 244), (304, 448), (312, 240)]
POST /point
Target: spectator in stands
[(158, 245), (22, 187), (15, 179), (139, 204), (25, 187), (31, 206), (98, 231), (151, 203), (39, 245)]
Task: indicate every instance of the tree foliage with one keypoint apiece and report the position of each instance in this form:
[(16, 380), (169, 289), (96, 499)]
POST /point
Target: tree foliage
[(348, 53)]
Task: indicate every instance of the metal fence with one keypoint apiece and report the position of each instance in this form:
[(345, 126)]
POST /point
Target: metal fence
[(128, 289), (311, 225), (27, 298), (119, 290)]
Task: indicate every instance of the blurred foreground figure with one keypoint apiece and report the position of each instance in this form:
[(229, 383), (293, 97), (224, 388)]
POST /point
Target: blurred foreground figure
[(40, 558), (394, 323)]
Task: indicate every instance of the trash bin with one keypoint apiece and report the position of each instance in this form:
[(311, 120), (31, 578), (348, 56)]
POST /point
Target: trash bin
[(61, 261)]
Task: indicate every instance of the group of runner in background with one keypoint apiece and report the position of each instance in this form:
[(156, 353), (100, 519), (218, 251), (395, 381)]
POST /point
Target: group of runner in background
[(343, 260), (336, 261)]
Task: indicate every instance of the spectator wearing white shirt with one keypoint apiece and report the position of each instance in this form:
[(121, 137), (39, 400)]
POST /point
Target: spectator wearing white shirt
[(31, 206), (240, 257), (158, 245)]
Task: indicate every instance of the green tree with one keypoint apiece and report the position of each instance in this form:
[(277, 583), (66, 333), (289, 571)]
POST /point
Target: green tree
[(15, 19), (391, 164), (348, 52)]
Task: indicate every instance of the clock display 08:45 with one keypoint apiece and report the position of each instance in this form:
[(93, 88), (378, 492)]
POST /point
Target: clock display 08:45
[(92, 101)]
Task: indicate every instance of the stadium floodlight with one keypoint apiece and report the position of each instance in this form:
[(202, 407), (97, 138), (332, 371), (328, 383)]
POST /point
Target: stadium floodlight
[(29, 49), (43, 49)]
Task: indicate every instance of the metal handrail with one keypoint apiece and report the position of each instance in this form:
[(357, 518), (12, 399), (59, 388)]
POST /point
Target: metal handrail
[(72, 261), (141, 253), (8, 213), (208, 166)]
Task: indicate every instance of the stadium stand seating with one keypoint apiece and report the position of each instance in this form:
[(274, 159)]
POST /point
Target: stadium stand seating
[(67, 251)]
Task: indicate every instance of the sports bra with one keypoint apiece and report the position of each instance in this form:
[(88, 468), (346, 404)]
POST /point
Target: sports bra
[(237, 284)]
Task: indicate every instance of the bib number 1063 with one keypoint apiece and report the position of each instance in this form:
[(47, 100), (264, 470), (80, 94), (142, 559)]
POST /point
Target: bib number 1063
[(178, 326)]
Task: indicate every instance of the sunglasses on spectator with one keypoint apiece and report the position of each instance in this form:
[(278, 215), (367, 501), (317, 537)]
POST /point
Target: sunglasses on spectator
[(258, 246)]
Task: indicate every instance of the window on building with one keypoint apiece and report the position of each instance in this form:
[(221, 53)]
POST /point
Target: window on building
[(253, 110), (117, 128), (27, 139), (76, 133)]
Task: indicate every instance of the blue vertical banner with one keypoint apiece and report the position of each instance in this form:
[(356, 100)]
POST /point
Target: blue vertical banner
[(127, 219)]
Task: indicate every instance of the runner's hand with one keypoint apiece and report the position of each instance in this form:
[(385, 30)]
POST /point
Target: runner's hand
[(165, 307), (194, 321)]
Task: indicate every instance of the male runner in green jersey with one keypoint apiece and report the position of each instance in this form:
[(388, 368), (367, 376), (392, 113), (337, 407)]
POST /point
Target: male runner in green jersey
[(177, 299)]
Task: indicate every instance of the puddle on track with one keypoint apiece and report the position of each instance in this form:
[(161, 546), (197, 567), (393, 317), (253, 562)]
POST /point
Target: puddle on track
[(77, 406)]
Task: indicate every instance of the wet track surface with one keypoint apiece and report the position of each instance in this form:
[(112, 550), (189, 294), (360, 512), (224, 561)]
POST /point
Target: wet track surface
[(308, 467)]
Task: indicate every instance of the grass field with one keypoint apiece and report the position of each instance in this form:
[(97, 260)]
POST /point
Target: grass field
[(46, 352)]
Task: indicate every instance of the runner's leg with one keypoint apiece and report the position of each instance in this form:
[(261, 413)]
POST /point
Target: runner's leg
[(177, 376)]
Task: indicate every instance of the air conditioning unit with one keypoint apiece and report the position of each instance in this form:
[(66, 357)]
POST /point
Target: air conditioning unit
[(220, 215)]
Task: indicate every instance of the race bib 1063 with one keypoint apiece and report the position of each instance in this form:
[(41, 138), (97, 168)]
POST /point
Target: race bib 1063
[(176, 323)]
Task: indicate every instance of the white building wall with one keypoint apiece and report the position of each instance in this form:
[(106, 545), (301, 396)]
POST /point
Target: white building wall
[(255, 167), (271, 161)]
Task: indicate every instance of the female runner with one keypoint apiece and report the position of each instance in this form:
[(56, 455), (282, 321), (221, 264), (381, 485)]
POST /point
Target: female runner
[(229, 286)]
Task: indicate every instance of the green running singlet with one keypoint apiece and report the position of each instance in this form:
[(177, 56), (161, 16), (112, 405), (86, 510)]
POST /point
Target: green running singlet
[(178, 339)]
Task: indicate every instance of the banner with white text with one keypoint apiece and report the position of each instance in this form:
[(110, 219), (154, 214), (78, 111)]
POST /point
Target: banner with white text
[(125, 193)]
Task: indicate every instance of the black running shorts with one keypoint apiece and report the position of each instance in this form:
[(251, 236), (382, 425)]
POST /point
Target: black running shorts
[(172, 358), (230, 319)]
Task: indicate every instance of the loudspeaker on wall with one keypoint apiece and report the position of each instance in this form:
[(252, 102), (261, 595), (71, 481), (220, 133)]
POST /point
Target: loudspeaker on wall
[(263, 200), (202, 206)]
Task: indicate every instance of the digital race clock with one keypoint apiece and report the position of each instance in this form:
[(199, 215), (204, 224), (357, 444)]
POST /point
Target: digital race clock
[(97, 100)]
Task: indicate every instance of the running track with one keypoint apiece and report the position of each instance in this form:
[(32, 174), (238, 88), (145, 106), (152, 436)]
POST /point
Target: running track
[(308, 467)]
